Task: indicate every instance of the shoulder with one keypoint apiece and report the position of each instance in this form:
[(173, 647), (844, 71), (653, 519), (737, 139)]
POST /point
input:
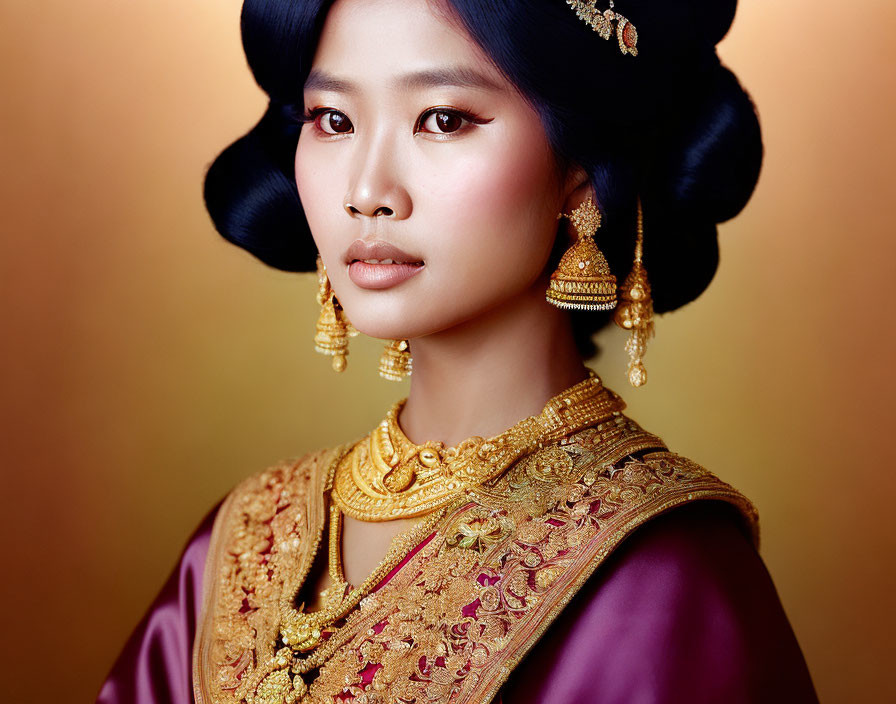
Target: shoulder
[(640, 475), (639, 480), (683, 610)]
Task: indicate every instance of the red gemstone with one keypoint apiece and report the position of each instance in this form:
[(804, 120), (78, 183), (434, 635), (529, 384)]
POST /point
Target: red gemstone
[(629, 35)]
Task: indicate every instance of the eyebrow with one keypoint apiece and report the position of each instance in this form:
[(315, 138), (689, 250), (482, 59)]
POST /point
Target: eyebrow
[(461, 76)]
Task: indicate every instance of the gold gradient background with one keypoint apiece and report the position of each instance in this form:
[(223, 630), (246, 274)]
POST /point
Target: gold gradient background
[(147, 365)]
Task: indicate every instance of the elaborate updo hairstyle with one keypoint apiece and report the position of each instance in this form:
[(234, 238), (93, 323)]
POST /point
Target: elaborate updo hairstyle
[(672, 125)]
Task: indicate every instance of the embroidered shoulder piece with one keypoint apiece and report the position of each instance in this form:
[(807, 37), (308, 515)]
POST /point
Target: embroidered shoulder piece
[(464, 608)]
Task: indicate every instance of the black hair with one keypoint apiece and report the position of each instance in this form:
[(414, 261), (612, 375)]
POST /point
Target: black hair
[(672, 125)]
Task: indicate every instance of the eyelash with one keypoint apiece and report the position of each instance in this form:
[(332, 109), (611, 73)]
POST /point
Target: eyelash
[(466, 115)]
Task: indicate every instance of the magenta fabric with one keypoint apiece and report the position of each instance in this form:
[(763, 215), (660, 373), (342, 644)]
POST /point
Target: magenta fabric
[(683, 611), (155, 665)]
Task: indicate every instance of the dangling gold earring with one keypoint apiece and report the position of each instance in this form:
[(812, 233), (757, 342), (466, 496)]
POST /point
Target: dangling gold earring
[(333, 328), (396, 363), (582, 280), (635, 311)]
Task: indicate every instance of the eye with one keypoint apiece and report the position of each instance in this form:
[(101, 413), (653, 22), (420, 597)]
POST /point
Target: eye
[(444, 121), (333, 119)]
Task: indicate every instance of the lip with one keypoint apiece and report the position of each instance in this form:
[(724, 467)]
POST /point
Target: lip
[(380, 275), (378, 249)]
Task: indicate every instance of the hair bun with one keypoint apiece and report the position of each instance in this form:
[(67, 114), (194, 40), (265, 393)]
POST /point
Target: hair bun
[(675, 27), (706, 151), (715, 18), (701, 167)]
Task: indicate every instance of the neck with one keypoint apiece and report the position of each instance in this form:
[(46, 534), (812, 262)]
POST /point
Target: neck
[(485, 375)]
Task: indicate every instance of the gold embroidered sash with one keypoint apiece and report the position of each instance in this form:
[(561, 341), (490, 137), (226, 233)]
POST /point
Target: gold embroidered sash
[(464, 609)]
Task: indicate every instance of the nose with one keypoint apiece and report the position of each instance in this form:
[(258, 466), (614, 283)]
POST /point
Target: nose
[(376, 184), (382, 210)]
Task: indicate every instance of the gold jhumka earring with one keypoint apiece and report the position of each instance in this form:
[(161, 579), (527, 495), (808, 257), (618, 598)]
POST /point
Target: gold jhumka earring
[(635, 311), (333, 328), (396, 363), (583, 280)]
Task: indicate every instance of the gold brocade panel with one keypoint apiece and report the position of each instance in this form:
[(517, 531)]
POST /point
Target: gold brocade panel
[(450, 624)]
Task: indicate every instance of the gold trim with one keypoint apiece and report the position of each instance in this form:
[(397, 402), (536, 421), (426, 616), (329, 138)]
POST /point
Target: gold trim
[(214, 578), (212, 567), (492, 529), (501, 674)]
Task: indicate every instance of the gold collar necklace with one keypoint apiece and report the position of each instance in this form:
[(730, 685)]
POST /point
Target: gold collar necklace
[(385, 476)]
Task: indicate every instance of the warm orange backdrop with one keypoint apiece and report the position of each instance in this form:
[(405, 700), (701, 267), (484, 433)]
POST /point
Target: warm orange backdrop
[(147, 365)]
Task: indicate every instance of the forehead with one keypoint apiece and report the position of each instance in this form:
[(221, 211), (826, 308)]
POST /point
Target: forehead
[(402, 45)]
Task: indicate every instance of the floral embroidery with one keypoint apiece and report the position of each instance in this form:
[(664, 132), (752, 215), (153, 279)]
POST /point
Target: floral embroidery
[(451, 624), (479, 529)]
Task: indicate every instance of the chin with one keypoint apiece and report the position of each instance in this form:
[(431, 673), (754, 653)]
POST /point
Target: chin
[(404, 317), (383, 327), (392, 325)]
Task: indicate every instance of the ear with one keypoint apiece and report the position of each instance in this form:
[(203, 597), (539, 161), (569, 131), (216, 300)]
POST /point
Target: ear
[(577, 189)]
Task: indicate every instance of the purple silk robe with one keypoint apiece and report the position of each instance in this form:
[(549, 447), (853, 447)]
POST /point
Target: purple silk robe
[(684, 610)]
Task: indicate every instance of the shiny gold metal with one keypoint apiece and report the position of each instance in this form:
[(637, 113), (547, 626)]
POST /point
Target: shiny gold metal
[(333, 328), (583, 280), (396, 362), (602, 23), (386, 476), (635, 311)]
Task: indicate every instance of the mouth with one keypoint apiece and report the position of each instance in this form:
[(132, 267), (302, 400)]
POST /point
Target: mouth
[(387, 262), (377, 274), (379, 265), (380, 254)]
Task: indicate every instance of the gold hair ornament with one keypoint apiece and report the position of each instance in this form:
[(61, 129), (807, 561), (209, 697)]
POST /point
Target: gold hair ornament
[(602, 23)]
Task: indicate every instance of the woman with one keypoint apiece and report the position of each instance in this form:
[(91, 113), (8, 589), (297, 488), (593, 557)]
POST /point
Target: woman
[(506, 533)]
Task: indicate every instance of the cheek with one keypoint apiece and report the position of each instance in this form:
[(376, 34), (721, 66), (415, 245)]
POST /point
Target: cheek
[(498, 206), (309, 188), (304, 182), (510, 178), (484, 216), (319, 195)]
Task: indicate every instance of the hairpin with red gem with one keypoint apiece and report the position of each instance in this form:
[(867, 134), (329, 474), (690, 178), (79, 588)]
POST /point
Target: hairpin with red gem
[(602, 23)]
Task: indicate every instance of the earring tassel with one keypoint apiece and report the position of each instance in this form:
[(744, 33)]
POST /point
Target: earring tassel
[(635, 311)]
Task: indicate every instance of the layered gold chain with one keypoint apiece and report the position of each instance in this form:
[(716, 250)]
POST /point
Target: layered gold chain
[(386, 476), (303, 630)]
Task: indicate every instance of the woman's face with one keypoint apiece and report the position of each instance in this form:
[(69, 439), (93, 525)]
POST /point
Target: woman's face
[(419, 142)]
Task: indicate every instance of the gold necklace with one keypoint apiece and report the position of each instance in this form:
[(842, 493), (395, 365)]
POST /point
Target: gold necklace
[(385, 476), (304, 630)]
